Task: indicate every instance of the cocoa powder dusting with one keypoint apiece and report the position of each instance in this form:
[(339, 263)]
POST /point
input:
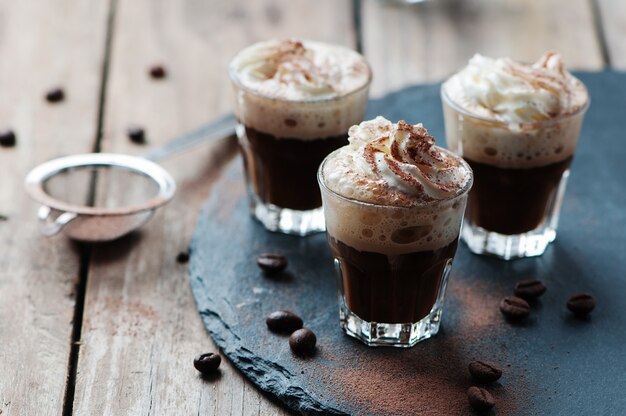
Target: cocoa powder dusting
[(405, 386), (430, 379)]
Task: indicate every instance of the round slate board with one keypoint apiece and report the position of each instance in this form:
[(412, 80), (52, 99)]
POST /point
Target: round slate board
[(553, 364)]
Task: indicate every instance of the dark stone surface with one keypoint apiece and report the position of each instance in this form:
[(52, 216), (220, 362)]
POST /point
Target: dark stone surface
[(553, 363)]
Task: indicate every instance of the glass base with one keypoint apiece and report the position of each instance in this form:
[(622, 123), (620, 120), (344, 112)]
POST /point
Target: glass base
[(507, 247), (288, 221), (376, 334)]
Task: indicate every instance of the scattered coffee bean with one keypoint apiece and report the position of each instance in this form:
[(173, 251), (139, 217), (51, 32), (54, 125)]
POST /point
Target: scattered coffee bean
[(158, 72), (7, 138), (484, 372), (303, 341), (283, 321), (207, 363), (3, 218), (55, 95), (514, 308), (136, 134), (529, 289), (272, 262), (183, 257), (480, 399), (581, 304)]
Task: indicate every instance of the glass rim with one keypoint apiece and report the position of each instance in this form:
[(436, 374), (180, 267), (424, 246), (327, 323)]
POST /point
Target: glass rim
[(522, 125), (232, 73), (460, 193), (37, 178)]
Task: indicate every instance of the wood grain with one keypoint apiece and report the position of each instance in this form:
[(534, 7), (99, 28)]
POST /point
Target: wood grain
[(427, 42), (141, 330), (613, 25), (42, 44)]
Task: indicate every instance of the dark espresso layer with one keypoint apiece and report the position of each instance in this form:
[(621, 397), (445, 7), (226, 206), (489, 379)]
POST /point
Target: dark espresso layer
[(283, 171), (512, 201), (391, 289)]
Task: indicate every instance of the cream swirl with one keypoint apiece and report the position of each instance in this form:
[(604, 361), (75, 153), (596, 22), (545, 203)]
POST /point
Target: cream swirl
[(300, 70), (513, 92), (396, 162)]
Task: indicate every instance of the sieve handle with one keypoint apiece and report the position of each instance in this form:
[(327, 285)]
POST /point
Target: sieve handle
[(50, 226), (217, 129)]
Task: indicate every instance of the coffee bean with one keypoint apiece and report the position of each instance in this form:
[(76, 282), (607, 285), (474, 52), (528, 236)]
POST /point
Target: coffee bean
[(514, 308), (302, 342), (207, 363), (480, 399), (272, 262), (157, 72), (484, 372), (283, 321), (183, 257), (581, 304), (55, 95), (529, 289), (7, 138), (136, 134)]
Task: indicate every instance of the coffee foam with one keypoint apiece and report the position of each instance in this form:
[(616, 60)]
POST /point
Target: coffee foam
[(512, 115), (511, 146), (392, 230), (366, 209), (302, 90), (301, 120)]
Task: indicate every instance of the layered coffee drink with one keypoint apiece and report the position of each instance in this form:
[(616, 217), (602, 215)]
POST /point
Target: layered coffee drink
[(517, 126), (295, 101), (393, 203)]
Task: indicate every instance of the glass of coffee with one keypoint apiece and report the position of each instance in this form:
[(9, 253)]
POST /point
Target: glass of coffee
[(517, 126), (394, 204), (295, 101)]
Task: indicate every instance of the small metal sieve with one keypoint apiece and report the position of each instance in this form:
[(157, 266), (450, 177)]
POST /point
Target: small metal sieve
[(103, 196)]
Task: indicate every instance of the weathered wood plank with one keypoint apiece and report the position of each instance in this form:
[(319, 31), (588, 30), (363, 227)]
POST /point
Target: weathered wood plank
[(42, 44), (613, 24), (141, 329), (427, 42)]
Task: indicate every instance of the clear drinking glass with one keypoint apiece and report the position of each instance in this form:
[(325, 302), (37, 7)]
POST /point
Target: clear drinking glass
[(520, 175), (391, 291), (283, 143)]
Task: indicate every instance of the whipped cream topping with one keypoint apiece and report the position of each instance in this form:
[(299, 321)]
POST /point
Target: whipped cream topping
[(394, 164), (300, 70), (517, 93)]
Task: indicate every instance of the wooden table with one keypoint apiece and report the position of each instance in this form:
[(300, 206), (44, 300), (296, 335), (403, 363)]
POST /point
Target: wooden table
[(112, 329)]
